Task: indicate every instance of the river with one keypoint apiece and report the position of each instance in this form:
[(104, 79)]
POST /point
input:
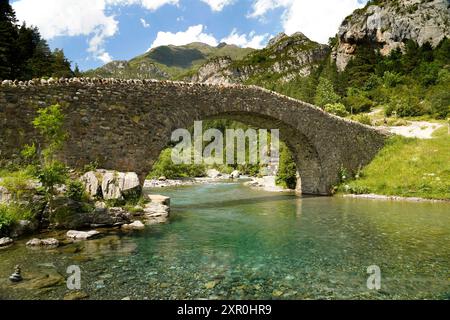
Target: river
[(228, 241)]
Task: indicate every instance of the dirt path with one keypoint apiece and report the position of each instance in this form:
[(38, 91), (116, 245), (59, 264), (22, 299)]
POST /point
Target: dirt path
[(416, 129)]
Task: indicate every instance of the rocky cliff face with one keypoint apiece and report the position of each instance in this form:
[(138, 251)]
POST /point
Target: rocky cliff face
[(386, 24), (284, 58)]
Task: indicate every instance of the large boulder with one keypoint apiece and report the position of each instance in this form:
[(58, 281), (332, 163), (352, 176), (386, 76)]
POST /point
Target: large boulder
[(4, 242), (43, 243), (23, 227), (81, 235), (67, 214), (157, 198), (136, 225), (111, 185), (91, 183)]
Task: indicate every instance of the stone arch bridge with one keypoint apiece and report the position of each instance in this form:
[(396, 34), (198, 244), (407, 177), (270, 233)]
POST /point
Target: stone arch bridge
[(124, 124)]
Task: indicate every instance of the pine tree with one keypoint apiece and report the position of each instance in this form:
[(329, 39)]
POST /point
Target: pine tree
[(325, 93), (23, 53), (61, 66), (76, 71), (8, 34)]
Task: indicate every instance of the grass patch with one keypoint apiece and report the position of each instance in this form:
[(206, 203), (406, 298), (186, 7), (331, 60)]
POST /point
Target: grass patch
[(12, 213), (408, 167)]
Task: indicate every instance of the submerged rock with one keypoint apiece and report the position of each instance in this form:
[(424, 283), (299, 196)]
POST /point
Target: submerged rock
[(48, 243), (6, 242), (136, 225), (156, 198), (81, 235), (156, 210), (76, 295)]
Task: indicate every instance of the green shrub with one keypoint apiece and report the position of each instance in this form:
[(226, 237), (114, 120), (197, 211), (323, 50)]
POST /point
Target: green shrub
[(392, 79), (75, 190), (17, 183), (408, 106), (10, 214), (363, 118), (164, 166), (355, 189), (336, 109), (358, 103)]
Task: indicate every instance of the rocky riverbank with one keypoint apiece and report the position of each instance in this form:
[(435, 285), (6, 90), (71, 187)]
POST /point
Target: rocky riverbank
[(392, 198), (266, 183), (212, 176), (109, 199)]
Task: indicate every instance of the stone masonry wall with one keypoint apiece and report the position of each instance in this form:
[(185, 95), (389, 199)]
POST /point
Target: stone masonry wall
[(124, 124)]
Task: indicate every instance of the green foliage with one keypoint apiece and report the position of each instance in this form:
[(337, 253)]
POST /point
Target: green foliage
[(408, 167), (407, 106), (75, 190), (29, 152), (337, 109), (51, 174), (287, 171), (362, 118), (325, 93), (164, 166), (17, 183), (357, 102), (391, 79), (49, 123), (411, 84), (12, 213)]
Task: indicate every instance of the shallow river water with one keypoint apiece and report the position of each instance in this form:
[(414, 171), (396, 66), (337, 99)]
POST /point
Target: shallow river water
[(229, 241)]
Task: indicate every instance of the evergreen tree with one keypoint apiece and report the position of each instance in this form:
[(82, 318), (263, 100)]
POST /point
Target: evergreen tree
[(61, 66), (8, 34), (76, 71), (23, 53), (325, 93)]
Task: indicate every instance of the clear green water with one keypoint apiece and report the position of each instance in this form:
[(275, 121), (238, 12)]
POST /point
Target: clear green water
[(229, 241)]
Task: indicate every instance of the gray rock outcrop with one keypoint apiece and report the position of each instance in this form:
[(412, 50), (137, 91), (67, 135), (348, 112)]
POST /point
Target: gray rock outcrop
[(389, 23)]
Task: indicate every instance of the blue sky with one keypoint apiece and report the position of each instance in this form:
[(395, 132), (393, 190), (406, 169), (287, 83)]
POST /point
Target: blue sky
[(94, 32)]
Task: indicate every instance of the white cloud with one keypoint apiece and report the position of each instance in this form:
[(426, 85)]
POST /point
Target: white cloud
[(192, 34), (151, 5), (261, 7), (79, 18), (105, 57), (144, 23), (246, 41), (70, 18), (218, 5), (318, 19)]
